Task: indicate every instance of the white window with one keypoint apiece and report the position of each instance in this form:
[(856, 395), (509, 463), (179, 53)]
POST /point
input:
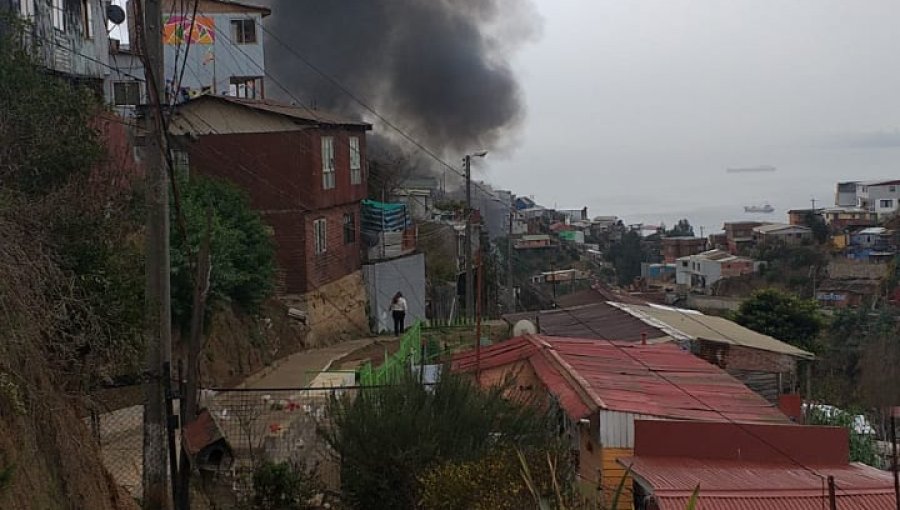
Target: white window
[(355, 163), (58, 14), (328, 179), (127, 93), (886, 204), (87, 14), (247, 87), (243, 31), (26, 8), (320, 232)]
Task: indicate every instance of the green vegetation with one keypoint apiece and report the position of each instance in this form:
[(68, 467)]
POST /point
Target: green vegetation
[(390, 440), (862, 446), (782, 316), (682, 228), (241, 250), (626, 257), (283, 486)]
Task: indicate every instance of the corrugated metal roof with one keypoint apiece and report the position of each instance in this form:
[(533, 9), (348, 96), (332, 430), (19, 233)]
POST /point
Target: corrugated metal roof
[(656, 380), (627, 322), (735, 485), (716, 329)]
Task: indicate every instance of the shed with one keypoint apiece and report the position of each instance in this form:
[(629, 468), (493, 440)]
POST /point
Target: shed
[(206, 445), (604, 386)]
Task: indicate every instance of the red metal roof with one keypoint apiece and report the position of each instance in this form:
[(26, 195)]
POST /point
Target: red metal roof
[(736, 485), (201, 433), (657, 380)]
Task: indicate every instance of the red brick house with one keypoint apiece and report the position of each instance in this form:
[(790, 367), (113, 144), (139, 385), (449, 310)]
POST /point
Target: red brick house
[(304, 170)]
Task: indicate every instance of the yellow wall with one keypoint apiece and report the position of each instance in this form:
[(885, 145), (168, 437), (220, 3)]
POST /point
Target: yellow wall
[(612, 475)]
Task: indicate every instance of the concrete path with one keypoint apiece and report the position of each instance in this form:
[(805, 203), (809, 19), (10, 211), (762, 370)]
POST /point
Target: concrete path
[(296, 370)]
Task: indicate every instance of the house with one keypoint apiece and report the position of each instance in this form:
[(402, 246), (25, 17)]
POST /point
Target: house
[(881, 197), (574, 236), (845, 194), (530, 242), (674, 248), (767, 365), (846, 293), (800, 216), (739, 235), (604, 386), (782, 233), (750, 466), (68, 38), (571, 215), (872, 238), (702, 270), (839, 218), (419, 194), (307, 185), (387, 230)]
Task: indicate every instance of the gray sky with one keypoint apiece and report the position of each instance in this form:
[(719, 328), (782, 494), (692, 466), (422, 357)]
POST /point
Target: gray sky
[(636, 107)]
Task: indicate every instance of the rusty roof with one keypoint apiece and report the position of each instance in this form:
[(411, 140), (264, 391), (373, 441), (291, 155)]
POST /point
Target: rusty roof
[(658, 380), (738, 485)]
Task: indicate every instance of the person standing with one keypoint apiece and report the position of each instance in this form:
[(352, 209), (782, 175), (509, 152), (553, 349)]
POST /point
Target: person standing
[(398, 311)]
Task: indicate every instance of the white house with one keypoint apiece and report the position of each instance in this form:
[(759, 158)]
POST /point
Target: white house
[(882, 197), (702, 270)]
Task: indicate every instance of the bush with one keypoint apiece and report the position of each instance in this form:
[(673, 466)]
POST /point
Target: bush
[(389, 438), (493, 481), (282, 486)]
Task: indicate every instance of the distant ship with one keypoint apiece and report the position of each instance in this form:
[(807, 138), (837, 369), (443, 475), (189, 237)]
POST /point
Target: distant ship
[(759, 208), (762, 168)]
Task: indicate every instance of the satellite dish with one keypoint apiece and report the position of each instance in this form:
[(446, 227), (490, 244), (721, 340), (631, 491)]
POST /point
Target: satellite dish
[(115, 14), (524, 327)]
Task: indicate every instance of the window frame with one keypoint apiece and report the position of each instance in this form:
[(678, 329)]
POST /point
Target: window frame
[(320, 236), (87, 17), (126, 84), (58, 14), (181, 162), (349, 228), (329, 172), (239, 31), (238, 86), (26, 8), (355, 161), (886, 203)]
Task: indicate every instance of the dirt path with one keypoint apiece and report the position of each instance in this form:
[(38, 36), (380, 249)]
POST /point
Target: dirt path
[(297, 370)]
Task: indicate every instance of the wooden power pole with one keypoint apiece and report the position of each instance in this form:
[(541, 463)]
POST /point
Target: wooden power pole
[(470, 277), (158, 330)]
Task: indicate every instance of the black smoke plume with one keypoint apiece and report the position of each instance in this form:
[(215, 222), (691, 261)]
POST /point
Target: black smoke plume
[(438, 69)]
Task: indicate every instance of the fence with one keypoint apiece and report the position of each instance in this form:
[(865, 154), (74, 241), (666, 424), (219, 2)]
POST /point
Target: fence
[(410, 351), (277, 425)]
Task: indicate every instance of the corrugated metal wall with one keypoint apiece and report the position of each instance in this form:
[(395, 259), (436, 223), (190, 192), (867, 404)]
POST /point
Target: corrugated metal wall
[(383, 280)]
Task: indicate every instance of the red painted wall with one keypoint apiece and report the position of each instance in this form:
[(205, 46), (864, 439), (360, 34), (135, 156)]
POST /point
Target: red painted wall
[(282, 172), (753, 443)]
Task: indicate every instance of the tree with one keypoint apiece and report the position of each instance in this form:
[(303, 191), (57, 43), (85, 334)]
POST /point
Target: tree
[(241, 251), (819, 228), (682, 228), (782, 316), (626, 257), (389, 438)]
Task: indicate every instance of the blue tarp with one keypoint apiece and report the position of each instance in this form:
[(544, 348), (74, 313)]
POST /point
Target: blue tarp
[(384, 216)]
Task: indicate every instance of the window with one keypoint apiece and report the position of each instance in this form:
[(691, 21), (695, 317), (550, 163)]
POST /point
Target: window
[(892, 189), (355, 163), (328, 162), (247, 87), (886, 204), (181, 163), (26, 8), (320, 232), (87, 14), (349, 228), (58, 14), (243, 31), (127, 93)]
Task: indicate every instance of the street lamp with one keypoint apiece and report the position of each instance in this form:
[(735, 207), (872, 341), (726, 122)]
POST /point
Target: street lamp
[(470, 277)]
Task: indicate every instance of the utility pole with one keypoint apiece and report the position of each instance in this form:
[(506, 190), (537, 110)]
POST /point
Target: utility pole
[(470, 283), (511, 298), (158, 330), (832, 500), (894, 467), (812, 201)]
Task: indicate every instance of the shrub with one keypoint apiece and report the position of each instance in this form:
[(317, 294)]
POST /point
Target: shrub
[(283, 486)]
